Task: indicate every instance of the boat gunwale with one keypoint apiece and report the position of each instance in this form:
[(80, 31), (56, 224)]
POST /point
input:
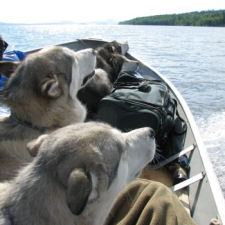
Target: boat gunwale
[(210, 173)]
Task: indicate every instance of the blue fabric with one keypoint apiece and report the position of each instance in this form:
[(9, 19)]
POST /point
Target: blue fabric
[(14, 56), (2, 81)]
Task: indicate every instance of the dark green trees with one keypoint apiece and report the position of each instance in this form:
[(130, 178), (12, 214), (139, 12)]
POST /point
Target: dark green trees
[(203, 18)]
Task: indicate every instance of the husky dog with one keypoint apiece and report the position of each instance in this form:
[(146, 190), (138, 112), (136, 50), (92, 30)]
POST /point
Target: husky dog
[(76, 175), (41, 94)]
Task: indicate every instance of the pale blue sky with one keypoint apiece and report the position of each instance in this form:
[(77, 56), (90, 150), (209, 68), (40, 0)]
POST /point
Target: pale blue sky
[(30, 11)]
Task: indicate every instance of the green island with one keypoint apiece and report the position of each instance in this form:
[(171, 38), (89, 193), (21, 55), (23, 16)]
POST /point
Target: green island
[(202, 18)]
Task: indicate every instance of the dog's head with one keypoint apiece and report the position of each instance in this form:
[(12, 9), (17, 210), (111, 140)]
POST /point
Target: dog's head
[(115, 47), (93, 161), (51, 75), (42, 72), (3, 46)]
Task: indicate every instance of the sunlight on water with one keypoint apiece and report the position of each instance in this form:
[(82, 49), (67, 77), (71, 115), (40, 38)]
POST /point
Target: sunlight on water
[(4, 111)]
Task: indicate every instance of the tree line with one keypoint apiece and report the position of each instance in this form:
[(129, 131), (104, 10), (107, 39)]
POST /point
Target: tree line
[(203, 18)]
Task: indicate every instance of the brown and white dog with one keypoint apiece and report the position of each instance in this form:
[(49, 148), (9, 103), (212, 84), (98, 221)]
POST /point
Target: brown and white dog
[(111, 60), (42, 96), (75, 177)]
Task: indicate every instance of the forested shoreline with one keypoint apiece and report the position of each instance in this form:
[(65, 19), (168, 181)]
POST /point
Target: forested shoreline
[(202, 18)]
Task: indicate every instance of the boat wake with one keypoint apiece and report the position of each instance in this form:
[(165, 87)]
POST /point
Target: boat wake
[(213, 135)]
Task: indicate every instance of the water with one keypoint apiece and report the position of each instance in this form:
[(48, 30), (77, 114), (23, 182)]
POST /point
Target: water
[(193, 58)]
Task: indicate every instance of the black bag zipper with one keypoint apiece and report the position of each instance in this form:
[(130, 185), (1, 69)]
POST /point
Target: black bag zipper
[(136, 85)]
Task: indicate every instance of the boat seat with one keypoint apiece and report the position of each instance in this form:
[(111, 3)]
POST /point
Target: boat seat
[(173, 157), (159, 173)]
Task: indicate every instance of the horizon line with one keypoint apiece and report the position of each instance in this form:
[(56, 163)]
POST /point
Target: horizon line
[(98, 22)]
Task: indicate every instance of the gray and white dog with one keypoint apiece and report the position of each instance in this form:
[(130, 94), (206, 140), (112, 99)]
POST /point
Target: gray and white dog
[(76, 175), (41, 94)]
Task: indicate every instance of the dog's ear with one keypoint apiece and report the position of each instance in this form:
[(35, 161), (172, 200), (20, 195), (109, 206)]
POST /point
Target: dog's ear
[(79, 187), (34, 145), (113, 49), (7, 67), (50, 86)]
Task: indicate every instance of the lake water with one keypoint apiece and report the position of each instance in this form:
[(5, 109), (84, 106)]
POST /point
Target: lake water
[(193, 58)]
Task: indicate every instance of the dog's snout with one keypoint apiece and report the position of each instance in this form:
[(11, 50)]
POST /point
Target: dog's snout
[(94, 52), (151, 133)]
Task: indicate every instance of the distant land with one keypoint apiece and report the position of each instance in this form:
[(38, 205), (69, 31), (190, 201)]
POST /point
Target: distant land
[(103, 22), (202, 18)]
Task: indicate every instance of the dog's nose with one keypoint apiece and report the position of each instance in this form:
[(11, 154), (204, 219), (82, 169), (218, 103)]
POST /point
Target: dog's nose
[(151, 133), (94, 52)]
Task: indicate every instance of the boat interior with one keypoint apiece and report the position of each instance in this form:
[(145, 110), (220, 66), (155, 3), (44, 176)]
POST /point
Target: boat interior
[(195, 192)]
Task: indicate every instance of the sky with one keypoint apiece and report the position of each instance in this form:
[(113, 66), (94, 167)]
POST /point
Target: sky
[(85, 11)]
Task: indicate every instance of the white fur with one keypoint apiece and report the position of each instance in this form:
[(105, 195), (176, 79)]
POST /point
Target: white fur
[(84, 62), (140, 151), (98, 211), (94, 193), (124, 48), (75, 80)]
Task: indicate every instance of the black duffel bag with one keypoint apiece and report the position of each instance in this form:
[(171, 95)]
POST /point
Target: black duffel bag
[(138, 102)]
